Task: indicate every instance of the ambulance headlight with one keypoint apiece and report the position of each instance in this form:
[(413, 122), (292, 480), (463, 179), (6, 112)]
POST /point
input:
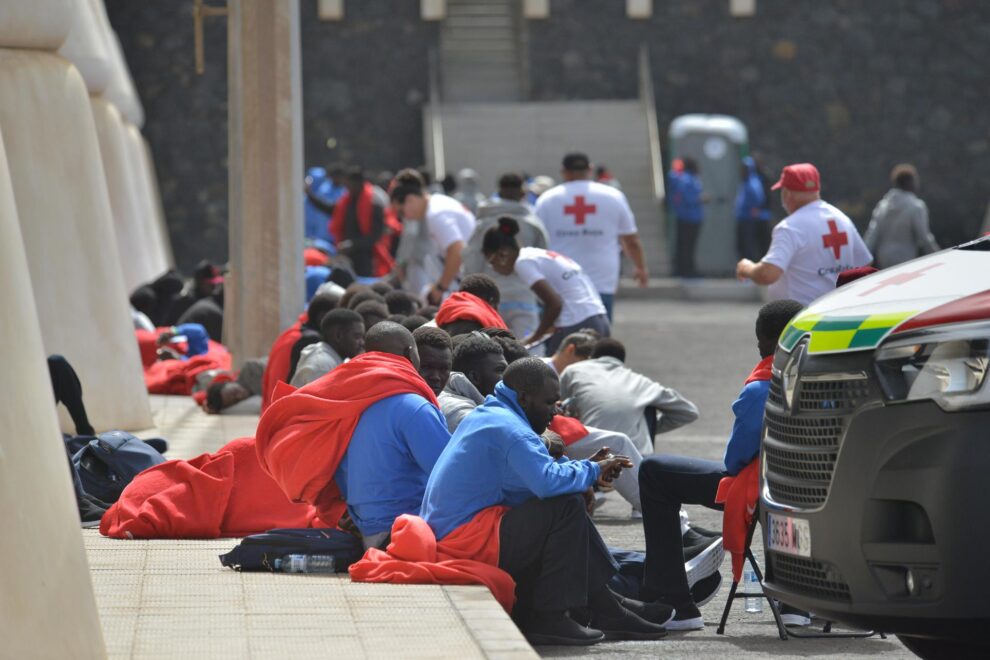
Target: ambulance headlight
[(948, 365)]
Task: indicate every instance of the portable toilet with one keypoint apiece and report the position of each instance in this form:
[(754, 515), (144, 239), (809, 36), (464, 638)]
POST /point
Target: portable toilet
[(717, 143)]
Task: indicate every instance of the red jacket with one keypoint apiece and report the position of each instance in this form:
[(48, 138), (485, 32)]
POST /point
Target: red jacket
[(381, 254), (279, 359)]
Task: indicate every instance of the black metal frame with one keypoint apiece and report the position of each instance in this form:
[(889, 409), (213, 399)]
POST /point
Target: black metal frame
[(782, 631)]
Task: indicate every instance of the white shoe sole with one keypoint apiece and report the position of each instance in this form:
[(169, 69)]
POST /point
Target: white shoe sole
[(795, 620), (697, 623), (707, 562)]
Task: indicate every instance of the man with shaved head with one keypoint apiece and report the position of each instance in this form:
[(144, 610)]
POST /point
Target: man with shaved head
[(497, 467), (379, 437)]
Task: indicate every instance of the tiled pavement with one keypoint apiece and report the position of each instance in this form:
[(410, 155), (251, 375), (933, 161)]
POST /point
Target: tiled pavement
[(172, 599)]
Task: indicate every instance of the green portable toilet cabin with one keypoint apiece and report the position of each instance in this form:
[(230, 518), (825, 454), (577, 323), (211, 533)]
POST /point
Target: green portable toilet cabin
[(717, 143)]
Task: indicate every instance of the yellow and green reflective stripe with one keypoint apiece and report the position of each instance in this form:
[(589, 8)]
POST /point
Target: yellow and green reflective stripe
[(833, 333)]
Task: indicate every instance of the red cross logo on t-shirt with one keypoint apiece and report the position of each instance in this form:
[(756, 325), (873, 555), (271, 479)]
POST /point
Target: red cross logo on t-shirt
[(835, 239), (579, 210)]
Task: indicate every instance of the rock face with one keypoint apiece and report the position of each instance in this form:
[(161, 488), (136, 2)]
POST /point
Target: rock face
[(854, 86)]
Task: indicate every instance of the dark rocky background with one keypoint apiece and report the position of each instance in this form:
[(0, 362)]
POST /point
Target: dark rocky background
[(853, 86)]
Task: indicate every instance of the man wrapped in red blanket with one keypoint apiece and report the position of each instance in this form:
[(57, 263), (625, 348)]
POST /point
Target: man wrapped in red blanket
[(472, 308), (362, 438), (499, 511)]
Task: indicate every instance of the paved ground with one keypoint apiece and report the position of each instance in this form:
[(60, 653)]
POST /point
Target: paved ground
[(705, 351), (172, 599)]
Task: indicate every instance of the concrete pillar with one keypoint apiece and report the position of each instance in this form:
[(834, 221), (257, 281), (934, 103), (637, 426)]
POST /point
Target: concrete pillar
[(264, 291), (66, 224), (47, 608)]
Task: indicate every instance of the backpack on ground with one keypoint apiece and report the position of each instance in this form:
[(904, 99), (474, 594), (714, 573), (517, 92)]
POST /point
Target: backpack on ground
[(258, 552), (108, 462)]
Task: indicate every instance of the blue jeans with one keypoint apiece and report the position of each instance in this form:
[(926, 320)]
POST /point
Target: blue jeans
[(608, 299)]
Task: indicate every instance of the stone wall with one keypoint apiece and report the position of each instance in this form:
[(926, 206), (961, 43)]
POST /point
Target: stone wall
[(853, 86), (364, 81)]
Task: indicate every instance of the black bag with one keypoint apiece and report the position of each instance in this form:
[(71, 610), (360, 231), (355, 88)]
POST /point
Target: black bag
[(258, 552), (108, 462)]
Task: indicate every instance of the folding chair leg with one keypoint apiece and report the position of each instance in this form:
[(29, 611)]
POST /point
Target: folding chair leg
[(728, 607)]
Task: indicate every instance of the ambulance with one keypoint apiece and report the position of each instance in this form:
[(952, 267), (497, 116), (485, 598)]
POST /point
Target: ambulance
[(875, 463)]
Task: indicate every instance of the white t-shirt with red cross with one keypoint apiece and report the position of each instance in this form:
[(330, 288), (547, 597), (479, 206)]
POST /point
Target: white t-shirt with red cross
[(812, 246), (579, 297), (584, 220), (448, 221)]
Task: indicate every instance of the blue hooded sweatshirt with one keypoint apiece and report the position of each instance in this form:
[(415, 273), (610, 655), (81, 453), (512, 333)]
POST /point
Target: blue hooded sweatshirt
[(494, 458), (751, 198)]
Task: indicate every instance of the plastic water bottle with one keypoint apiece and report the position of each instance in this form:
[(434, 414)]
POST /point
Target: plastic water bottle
[(751, 585), (306, 564)]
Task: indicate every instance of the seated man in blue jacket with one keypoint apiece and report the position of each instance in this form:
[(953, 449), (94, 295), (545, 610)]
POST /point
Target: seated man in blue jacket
[(666, 482), (547, 542)]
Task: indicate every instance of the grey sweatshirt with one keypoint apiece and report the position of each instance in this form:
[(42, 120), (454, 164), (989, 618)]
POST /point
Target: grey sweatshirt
[(608, 395), (899, 230), (458, 399), (315, 360)]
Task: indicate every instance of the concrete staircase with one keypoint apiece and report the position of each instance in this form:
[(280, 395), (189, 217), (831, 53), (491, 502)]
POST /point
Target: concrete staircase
[(480, 56), (493, 138)]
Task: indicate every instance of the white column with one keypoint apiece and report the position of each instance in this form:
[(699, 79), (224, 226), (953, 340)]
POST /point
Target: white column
[(264, 293)]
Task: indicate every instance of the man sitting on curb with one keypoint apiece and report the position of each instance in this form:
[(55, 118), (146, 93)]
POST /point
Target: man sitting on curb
[(546, 541), (667, 482), (342, 338), (365, 436)]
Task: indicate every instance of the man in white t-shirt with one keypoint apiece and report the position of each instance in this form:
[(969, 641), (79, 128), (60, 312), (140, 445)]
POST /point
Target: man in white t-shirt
[(810, 247), (589, 222), (448, 225)]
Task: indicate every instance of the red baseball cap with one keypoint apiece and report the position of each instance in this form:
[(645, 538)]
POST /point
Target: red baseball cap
[(800, 177)]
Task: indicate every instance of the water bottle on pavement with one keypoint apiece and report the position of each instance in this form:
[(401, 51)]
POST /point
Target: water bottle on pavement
[(306, 564), (751, 585)]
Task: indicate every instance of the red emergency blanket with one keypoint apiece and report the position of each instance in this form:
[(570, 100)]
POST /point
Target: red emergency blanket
[(462, 306), (210, 496), (303, 434), (179, 376), (468, 555), (279, 358)]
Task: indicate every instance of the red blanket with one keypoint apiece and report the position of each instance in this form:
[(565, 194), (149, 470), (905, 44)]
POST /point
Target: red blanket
[(739, 494), (462, 306), (302, 436), (210, 496), (179, 376), (279, 358), (569, 429), (381, 253), (468, 555)]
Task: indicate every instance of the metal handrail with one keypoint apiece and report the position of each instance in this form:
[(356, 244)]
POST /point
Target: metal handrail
[(650, 105), (436, 123)]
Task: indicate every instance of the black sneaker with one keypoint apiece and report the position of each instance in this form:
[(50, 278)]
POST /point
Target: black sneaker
[(656, 612), (705, 532), (558, 629), (686, 617), (692, 538), (704, 562), (704, 590), (627, 626)]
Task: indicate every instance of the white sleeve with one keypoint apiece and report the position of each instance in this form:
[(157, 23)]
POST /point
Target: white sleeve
[(528, 271), (444, 230), (627, 221), (782, 247), (861, 253)]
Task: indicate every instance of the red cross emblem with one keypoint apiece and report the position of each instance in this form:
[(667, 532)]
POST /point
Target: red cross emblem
[(579, 209), (834, 239), (900, 278)]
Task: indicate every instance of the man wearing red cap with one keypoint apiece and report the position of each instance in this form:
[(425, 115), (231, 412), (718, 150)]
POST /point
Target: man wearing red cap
[(810, 247)]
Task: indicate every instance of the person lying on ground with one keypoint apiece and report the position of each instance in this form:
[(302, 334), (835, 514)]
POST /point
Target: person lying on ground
[(342, 335), (234, 395)]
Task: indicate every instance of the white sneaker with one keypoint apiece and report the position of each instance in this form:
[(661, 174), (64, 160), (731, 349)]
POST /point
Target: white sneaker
[(705, 563)]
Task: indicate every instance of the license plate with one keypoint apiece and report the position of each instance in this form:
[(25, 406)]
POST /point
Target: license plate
[(789, 535)]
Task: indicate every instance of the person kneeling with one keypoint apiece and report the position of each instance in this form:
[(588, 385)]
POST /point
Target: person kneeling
[(547, 542)]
